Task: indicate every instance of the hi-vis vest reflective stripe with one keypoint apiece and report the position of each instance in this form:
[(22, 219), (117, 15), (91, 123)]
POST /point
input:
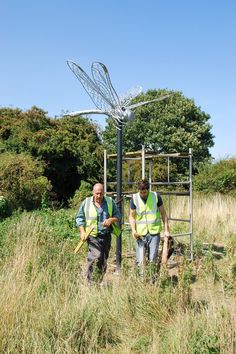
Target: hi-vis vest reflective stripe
[(147, 216), (91, 213)]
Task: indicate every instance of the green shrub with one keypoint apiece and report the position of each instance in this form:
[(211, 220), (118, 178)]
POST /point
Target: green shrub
[(71, 149), (217, 177), (85, 190), (5, 209), (22, 180)]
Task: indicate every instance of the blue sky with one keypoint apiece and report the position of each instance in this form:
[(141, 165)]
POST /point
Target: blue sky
[(182, 45)]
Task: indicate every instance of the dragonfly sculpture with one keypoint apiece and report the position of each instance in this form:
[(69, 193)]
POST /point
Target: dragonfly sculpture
[(104, 96)]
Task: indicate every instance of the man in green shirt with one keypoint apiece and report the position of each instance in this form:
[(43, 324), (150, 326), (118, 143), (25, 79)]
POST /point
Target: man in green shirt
[(100, 212), (146, 213)]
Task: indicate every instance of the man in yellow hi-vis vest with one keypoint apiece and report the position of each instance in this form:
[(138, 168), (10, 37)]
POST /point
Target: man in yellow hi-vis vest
[(101, 212), (146, 213)]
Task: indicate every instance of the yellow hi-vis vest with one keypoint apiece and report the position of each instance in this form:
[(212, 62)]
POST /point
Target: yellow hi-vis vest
[(147, 216), (91, 216)]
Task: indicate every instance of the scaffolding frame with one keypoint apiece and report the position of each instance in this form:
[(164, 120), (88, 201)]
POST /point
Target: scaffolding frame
[(149, 156)]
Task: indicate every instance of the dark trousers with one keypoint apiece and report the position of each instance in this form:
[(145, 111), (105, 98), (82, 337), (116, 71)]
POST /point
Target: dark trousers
[(98, 252)]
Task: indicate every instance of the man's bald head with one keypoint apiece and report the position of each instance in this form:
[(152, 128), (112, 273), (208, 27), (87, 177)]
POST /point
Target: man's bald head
[(98, 186), (98, 193)]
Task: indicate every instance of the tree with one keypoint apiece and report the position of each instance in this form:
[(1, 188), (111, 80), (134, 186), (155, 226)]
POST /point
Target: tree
[(17, 127), (70, 148), (72, 151), (219, 177), (173, 125), (22, 182)]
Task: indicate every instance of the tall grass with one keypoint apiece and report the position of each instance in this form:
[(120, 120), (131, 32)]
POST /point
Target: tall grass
[(215, 218), (47, 307)]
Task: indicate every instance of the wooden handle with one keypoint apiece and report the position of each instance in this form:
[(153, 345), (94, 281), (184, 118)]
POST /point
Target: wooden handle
[(81, 242), (164, 257)]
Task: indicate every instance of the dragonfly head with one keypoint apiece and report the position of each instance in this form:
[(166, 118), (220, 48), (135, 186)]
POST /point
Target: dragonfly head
[(128, 115)]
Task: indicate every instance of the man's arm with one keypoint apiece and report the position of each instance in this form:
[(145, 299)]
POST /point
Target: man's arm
[(115, 216), (164, 217), (80, 221), (132, 214), (165, 221), (109, 221)]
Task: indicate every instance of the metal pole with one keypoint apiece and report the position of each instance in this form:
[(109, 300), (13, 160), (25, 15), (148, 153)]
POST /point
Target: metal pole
[(105, 172), (191, 200), (150, 175), (143, 161), (168, 180), (128, 162), (119, 196)]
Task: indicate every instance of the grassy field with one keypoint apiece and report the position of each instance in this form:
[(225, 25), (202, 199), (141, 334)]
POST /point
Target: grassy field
[(47, 307)]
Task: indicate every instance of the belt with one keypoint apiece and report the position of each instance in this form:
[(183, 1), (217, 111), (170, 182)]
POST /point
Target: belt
[(103, 235)]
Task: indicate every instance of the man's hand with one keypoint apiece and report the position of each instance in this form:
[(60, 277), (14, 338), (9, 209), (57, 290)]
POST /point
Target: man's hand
[(107, 222), (82, 235), (166, 234), (135, 235)]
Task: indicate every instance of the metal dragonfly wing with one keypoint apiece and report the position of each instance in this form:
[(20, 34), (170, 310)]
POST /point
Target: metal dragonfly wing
[(104, 96)]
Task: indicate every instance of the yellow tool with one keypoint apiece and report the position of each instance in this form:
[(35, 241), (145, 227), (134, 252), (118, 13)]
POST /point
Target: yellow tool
[(81, 242)]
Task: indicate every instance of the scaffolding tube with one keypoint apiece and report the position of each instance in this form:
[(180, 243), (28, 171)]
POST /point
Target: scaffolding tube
[(150, 156)]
